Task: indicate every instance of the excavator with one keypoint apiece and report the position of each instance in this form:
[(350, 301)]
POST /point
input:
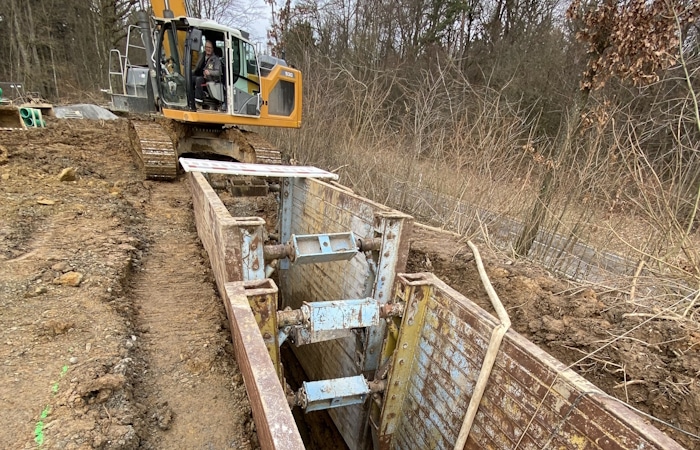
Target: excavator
[(154, 80)]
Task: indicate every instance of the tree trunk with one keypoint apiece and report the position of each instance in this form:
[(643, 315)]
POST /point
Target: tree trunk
[(549, 185), (22, 47), (538, 213)]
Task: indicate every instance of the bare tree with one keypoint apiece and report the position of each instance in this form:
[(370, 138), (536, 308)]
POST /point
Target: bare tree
[(238, 14), (631, 40)]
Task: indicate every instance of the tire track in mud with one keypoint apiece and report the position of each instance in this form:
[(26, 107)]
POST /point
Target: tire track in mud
[(190, 386)]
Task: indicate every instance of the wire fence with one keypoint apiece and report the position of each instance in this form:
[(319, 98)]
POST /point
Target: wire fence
[(566, 254)]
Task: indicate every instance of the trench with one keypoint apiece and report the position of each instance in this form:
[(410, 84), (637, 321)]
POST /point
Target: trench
[(316, 428)]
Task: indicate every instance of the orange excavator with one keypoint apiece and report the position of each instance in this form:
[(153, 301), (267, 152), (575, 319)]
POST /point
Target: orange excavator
[(155, 77)]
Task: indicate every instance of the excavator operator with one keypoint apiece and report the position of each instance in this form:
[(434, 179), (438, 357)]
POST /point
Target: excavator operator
[(208, 69)]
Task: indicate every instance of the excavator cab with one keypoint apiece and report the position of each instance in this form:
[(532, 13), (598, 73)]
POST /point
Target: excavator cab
[(252, 90), (155, 74)]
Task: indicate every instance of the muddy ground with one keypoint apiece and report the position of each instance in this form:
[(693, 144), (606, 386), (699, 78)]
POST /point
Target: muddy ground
[(112, 335)]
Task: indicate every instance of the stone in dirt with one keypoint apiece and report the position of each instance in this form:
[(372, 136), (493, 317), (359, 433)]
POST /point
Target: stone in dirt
[(67, 174), (61, 267), (69, 279)]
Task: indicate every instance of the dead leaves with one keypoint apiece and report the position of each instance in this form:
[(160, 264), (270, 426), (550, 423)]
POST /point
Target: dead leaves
[(630, 39)]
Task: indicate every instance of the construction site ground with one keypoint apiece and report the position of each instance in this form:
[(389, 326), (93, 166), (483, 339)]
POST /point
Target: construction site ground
[(112, 334)]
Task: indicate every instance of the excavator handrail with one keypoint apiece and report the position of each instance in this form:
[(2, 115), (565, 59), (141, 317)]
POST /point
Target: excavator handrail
[(120, 73), (124, 61)]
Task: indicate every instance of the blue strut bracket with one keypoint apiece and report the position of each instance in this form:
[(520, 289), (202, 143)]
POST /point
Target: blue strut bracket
[(320, 248), (326, 394)]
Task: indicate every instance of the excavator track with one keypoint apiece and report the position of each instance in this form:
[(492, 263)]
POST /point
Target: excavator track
[(155, 145), (265, 153), (154, 150)]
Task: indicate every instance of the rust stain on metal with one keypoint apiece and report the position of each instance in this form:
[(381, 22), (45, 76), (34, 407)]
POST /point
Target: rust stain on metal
[(405, 348), (262, 298), (217, 230), (274, 422), (256, 240)]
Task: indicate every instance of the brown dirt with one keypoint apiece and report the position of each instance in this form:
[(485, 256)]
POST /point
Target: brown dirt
[(112, 335)]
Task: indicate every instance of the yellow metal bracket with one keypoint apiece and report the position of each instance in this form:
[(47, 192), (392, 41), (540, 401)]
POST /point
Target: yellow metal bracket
[(398, 351), (262, 297)]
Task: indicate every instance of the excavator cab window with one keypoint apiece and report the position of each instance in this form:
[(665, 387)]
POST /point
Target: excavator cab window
[(251, 61), (236, 60), (211, 92), (245, 78), (173, 87)]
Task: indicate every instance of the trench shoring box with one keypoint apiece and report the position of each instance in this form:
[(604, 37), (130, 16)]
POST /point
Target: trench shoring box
[(532, 401)]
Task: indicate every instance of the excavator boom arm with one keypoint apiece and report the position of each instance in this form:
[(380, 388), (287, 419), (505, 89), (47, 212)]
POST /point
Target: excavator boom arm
[(167, 8)]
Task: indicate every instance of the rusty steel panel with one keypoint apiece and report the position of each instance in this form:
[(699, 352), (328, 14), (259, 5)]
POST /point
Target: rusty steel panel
[(274, 422), (223, 237), (217, 231), (234, 244), (532, 401)]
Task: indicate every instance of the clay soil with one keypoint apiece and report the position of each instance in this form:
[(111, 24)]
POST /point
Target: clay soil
[(112, 334)]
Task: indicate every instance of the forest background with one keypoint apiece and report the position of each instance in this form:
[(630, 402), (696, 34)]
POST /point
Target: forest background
[(565, 132)]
